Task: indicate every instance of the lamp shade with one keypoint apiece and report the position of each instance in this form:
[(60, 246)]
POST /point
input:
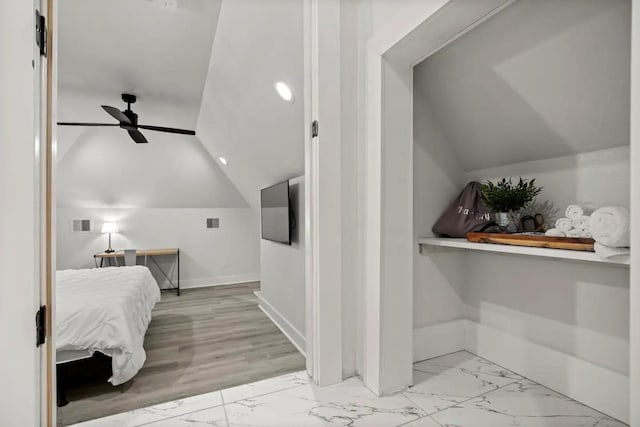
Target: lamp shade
[(109, 227)]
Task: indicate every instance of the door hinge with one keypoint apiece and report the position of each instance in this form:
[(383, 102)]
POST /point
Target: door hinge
[(41, 33), (314, 129), (41, 325)]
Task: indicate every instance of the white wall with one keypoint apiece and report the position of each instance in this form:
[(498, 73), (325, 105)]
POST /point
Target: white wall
[(19, 219), (159, 193), (103, 167), (359, 20), (208, 256), (561, 306), (437, 279), (565, 308), (518, 80), (242, 117), (591, 179), (575, 310), (579, 310), (282, 273), (351, 240)]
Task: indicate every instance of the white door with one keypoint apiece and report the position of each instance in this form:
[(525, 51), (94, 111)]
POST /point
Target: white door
[(21, 78)]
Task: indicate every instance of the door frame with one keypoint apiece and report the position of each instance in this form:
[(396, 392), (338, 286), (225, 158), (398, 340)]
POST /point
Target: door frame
[(322, 166), (634, 281), (392, 52), (322, 222), (21, 157)]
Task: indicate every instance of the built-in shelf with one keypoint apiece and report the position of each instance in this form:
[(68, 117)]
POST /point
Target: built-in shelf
[(435, 242)]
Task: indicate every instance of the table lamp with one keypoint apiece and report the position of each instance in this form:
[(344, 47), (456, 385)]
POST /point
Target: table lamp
[(109, 227)]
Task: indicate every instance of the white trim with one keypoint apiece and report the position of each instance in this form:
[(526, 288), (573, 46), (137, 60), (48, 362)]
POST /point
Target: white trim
[(634, 281), (325, 299), (601, 388), (431, 243), (419, 28), (438, 340), (289, 331), (593, 385), (310, 188), (219, 281)]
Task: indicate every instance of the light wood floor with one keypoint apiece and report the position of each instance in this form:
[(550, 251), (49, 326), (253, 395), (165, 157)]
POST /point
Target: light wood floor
[(204, 340)]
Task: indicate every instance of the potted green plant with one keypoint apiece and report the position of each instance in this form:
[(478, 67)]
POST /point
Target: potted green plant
[(505, 198)]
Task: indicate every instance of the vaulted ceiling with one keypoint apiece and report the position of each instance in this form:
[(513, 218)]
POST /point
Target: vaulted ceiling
[(103, 167), (207, 65), (136, 46), (541, 79), (242, 118)]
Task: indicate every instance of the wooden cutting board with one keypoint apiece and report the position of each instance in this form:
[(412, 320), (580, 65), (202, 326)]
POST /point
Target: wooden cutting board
[(533, 240)]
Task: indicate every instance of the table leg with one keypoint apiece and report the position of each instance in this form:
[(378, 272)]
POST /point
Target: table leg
[(164, 273)]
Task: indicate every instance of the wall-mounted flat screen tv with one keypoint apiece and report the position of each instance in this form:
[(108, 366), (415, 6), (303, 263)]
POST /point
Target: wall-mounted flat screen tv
[(275, 213)]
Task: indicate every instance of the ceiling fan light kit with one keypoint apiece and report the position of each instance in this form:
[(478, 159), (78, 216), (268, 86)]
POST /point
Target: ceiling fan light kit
[(128, 120)]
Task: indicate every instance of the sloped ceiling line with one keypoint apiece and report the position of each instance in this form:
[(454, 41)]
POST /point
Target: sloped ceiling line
[(100, 58)]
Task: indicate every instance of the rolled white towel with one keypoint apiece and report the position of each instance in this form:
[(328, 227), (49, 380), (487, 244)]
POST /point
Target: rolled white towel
[(582, 223), (574, 212), (554, 232), (564, 224), (607, 252), (574, 233), (610, 226)]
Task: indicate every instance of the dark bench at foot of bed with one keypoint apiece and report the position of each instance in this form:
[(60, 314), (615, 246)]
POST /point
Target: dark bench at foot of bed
[(82, 374)]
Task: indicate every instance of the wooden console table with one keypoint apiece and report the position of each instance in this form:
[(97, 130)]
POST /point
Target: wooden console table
[(147, 254)]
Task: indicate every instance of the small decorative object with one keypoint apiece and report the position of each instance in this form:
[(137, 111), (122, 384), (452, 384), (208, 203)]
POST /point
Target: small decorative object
[(466, 213), (505, 199), (109, 227), (532, 223)]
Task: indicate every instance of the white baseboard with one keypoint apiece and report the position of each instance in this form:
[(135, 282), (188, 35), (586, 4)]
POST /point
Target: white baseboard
[(601, 388), (438, 340), (218, 281), (296, 338)]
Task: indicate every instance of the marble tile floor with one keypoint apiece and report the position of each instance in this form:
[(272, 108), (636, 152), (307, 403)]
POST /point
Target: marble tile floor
[(456, 390)]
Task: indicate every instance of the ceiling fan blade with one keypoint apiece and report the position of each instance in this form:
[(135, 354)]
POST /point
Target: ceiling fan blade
[(86, 124), (137, 137), (117, 114), (169, 130)]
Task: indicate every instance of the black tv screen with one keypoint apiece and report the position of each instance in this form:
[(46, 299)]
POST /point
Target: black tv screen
[(275, 213)]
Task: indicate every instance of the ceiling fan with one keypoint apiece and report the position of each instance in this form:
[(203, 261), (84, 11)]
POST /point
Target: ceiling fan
[(128, 120)]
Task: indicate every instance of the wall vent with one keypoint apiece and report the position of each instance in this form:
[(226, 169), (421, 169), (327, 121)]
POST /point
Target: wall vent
[(81, 226), (213, 222)]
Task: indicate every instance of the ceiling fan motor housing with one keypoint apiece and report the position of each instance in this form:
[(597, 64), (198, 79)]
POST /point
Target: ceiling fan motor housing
[(133, 117), (129, 98)]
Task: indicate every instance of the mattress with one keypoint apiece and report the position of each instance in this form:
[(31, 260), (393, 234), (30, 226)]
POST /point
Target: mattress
[(106, 310)]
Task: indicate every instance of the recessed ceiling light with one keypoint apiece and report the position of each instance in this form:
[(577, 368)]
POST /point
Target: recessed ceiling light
[(284, 91), (223, 160), (170, 5)]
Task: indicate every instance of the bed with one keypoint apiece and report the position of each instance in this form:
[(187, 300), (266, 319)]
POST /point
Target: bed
[(106, 310)]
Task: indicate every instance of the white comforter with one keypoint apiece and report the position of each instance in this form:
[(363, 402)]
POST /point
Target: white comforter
[(106, 310)]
